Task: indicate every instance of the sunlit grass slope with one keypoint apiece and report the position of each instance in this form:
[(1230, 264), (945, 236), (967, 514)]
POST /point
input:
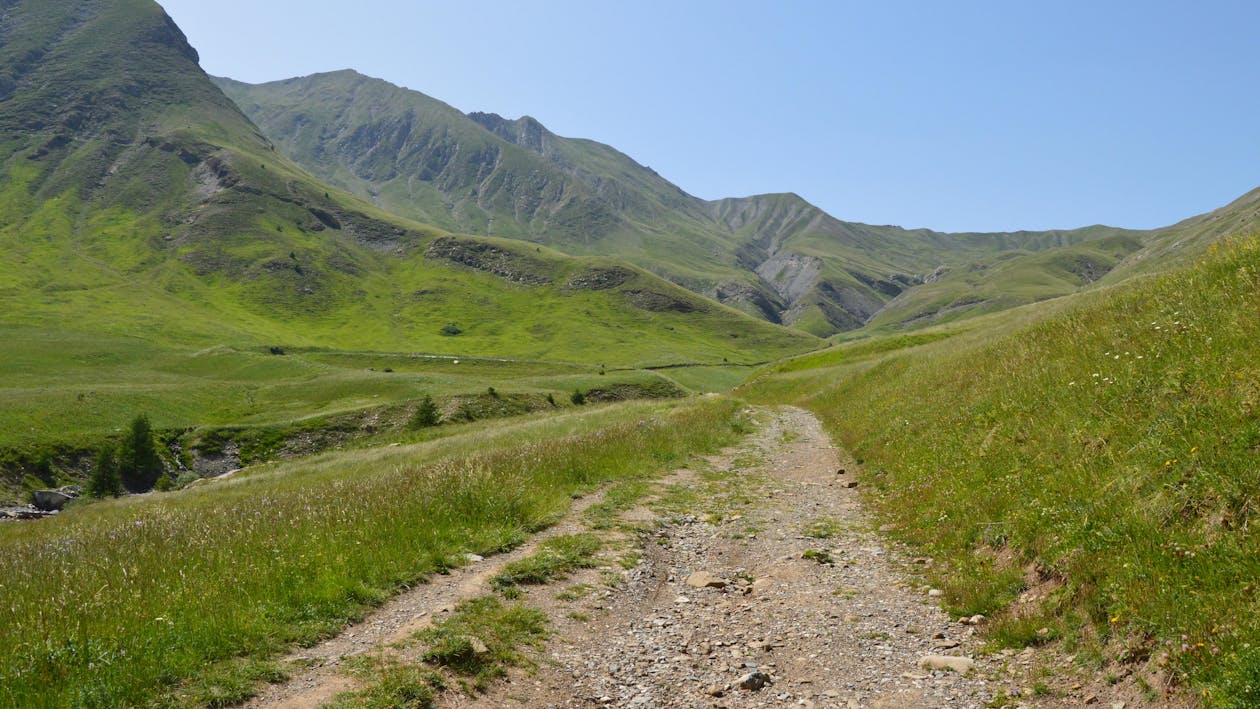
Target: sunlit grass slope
[(182, 597), (1108, 455), (154, 247)]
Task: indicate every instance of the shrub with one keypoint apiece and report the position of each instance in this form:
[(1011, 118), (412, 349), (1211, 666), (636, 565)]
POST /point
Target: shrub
[(451, 329), (577, 397), (186, 478)]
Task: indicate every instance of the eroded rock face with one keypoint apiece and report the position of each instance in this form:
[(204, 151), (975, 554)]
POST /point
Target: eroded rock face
[(750, 299)]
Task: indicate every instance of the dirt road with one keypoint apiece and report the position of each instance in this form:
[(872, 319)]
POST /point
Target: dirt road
[(752, 578)]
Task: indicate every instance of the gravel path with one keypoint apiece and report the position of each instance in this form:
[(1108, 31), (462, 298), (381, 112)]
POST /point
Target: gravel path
[(752, 579), (725, 595)]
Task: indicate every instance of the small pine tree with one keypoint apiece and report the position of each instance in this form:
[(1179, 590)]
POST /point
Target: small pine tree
[(426, 414), (105, 480), (577, 397), (139, 465)]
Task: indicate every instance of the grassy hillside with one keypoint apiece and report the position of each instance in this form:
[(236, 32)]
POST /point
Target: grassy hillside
[(1012, 279), (1091, 470)]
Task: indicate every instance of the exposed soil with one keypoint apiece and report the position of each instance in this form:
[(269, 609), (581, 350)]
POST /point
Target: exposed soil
[(759, 581)]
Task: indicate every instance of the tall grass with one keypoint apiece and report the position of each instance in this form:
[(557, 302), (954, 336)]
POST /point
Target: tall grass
[(122, 602), (1109, 454)]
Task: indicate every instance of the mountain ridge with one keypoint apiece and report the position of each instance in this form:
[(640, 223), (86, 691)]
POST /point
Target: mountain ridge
[(775, 256), (131, 185)]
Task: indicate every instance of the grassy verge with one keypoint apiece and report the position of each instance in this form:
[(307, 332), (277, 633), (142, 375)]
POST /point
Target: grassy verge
[(133, 600), (1104, 458), (556, 558), (471, 649)]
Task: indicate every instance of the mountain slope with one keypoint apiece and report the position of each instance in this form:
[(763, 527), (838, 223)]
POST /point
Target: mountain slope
[(775, 256), (137, 198), (423, 159), (147, 227)]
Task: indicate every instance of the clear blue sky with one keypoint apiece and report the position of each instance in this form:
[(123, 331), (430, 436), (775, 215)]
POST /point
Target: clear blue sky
[(952, 115)]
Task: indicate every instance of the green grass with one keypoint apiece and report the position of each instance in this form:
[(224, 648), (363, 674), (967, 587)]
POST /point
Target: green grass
[(823, 528), (1112, 440), (473, 647), (68, 393), (504, 630), (556, 558), (617, 499), (391, 684), (107, 606)]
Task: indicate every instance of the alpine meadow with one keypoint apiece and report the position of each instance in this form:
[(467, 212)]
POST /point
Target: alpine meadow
[(324, 392)]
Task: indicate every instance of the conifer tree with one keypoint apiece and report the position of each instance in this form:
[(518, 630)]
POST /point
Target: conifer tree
[(105, 480), (139, 465), (427, 414)]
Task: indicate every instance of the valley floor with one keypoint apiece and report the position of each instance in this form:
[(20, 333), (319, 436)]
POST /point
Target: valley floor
[(754, 579)]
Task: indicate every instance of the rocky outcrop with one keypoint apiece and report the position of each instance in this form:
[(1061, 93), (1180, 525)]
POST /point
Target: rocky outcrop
[(601, 278), (482, 256), (53, 500), (656, 301)]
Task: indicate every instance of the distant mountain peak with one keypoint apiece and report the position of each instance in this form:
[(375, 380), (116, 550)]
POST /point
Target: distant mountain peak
[(525, 131)]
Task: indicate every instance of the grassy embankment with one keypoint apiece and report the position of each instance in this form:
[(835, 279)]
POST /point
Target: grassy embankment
[(184, 597), (1105, 454)]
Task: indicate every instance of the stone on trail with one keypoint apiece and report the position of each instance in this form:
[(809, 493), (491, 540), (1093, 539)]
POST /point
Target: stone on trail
[(754, 680), (704, 579), (961, 665)]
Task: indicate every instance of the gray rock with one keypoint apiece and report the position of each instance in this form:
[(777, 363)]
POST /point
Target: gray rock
[(754, 681), (49, 500)]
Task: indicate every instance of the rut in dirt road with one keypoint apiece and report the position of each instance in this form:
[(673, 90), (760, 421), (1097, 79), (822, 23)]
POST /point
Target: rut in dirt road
[(761, 572)]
